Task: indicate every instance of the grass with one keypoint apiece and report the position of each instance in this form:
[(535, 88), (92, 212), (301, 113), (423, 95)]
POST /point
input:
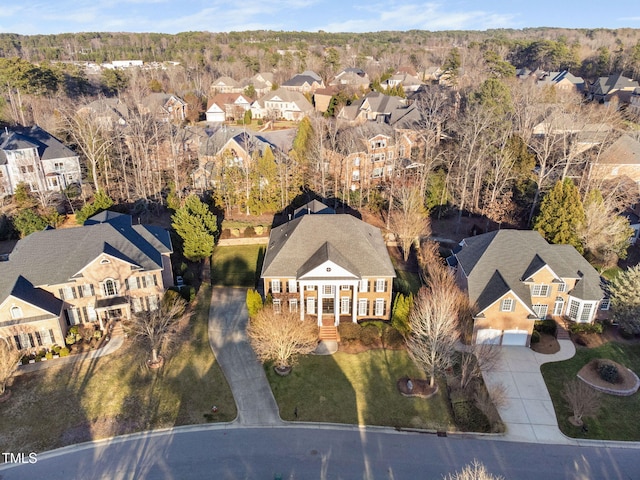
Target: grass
[(237, 266), (619, 417), (357, 389), (117, 394)]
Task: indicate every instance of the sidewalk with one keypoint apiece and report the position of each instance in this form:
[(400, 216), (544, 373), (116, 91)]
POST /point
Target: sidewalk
[(114, 344)]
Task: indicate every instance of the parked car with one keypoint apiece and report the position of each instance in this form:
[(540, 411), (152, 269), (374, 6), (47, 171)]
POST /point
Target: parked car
[(179, 281)]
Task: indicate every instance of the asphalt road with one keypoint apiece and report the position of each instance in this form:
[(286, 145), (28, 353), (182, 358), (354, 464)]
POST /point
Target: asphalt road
[(318, 453)]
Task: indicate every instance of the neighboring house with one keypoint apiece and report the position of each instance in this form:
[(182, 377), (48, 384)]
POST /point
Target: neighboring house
[(227, 107), (432, 74), (356, 78), (603, 89), (378, 107), (105, 270), (514, 277), (409, 83), (322, 98), (621, 159), (262, 82), (281, 104), (564, 81), (226, 85), (109, 112), (33, 156), (165, 107), (334, 268), (634, 103), (305, 82)]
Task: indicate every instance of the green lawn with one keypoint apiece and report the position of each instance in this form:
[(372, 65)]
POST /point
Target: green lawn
[(619, 417), (116, 394), (237, 266), (357, 389)]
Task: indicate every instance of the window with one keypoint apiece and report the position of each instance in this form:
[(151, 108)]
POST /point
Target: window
[(149, 280), (67, 293), (345, 287), (585, 315), (379, 307), (328, 289), (110, 288), (355, 176), (377, 173), (73, 316), (293, 305), (26, 169), (153, 302), (540, 310), (605, 304), (104, 261), (540, 290), (46, 336), (573, 309), (275, 286), (16, 312), (379, 144), (363, 307), (377, 157), (364, 285), (310, 287), (92, 316), (344, 305), (506, 305), (133, 283), (86, 290), (292, 286), (24, 340), (356, 161), (277, 305), (136, 305), (381, 285), (311, 305), (562, 287), (58, 166), (558, 306)]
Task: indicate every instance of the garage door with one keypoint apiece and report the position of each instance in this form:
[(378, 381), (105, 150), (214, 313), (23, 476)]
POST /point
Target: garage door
[(488, 336), (514, 337)]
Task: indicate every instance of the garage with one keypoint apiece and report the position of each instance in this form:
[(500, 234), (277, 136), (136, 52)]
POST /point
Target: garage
[(515, 338), (488, 336)]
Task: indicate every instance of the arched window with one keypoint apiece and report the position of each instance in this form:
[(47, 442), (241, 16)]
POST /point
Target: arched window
[(110, 287), (16, 312)]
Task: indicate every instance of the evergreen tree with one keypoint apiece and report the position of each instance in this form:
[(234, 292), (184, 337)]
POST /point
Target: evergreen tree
[(101, 202), (400, 313), (254, 302), (625, 297), (28, 221), (196, 225), (561, 215)]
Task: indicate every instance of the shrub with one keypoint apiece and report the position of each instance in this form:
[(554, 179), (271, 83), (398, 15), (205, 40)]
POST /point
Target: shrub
[(188, 292), (75, 330), (254, 302), (608, 372), (585, 328), (48, 355), (535, 336), (392, 337), (546, 326), (64, 352), (56, 349), (70, 339), (369, 334), (626, 334), (349, 331), (249, 232)]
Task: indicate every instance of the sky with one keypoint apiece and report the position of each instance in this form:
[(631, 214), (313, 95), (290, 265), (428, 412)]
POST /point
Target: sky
[(31, 17)]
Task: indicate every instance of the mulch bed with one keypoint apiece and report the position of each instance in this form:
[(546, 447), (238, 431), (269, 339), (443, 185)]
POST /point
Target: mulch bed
[(547, 344), (627, 384), (420, 388)]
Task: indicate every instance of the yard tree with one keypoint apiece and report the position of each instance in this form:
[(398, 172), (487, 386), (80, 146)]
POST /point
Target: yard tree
[(604, 234), (625, 298), (561, 215), (583, 401), (28, 221), (196, 225), (279, 337), (156, 327), (400, 314), (434, 325), (9, 358), (254, 302), (408, 218), (101, 202)]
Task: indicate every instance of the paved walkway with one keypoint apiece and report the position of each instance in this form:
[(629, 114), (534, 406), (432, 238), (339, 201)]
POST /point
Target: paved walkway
[(528, 415), (227, 337), (114, 344)]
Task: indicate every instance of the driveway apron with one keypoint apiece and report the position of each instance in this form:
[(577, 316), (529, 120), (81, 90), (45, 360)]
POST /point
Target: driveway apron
[(228, 339)]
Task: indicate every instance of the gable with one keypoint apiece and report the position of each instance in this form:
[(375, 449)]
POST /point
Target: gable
[(328, 269), (105, 265), (28, 308)]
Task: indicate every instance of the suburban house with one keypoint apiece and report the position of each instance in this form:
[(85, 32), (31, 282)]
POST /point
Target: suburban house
[(564, 81), (355, 78), (32, 156), (165, 107), (281, 103), (381, 108), (333, 267), (634, 103), (262, 82), (605, 88), (409, 82), (305, 82), (108, 112), (514, 277), (227, 107), (620, 159), (102, 271), (226, 85)]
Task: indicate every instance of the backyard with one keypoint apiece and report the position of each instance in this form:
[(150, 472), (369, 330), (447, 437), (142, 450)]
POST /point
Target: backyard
[(117, 394), (237, 266)]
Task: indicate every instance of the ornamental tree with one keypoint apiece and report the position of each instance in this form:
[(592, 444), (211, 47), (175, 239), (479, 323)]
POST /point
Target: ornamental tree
[(196, 225)]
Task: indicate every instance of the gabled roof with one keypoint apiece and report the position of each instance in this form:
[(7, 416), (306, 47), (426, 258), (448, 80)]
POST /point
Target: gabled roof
[(288, 96), (327, 253), (17, 138), (515, 255), (293, 244), (222, 99), (315, 207), (225, 82), (624, 151)]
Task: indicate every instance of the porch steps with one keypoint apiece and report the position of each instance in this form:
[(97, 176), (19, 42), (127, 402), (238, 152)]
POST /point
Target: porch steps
[(329, 333), (562, 333), (116, 329)]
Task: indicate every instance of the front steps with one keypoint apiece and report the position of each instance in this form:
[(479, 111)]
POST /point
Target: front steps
[(329, 333)]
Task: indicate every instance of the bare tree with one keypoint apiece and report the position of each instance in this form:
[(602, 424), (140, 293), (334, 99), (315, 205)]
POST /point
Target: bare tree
[(9, 358), (475, 359), (281, 337), (583, 400), (156, 327), (474, 471), (408, 219), (434, 326), (490, 399)]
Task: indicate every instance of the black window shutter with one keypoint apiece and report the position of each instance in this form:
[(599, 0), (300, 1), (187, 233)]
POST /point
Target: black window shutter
[(16, 339), (39, 338), (52, 336)]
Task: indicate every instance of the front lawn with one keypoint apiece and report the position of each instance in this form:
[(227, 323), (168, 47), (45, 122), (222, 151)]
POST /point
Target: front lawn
[(237, 266), (619, 417), (357, 389), (117, 394)]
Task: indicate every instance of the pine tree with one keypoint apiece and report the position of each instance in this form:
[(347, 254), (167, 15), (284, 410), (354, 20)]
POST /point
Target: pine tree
[(196, 225), (625, 297), (561, 215), (28, 221), (101, 202)]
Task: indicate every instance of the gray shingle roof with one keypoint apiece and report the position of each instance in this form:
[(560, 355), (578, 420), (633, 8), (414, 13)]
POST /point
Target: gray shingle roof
[(16, 138), (293, 244), (504, 259)]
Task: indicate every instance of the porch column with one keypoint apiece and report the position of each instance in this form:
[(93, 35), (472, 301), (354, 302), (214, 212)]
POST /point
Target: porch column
[(354, 307), (319, 312), (336, 306), (301, 288)]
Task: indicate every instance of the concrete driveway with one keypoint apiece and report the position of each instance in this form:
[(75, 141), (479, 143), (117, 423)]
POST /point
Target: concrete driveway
[(228, 339), (529, 415)]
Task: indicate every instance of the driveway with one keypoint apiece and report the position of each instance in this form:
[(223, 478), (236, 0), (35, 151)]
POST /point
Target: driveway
[(228, 339), (528, 415)]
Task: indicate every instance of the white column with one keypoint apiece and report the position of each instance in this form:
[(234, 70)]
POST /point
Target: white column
[(302, 305), (354, 307), (336, 306), (319, 309)]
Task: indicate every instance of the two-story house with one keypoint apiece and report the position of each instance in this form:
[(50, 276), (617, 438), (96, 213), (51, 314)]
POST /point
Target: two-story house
[(32, 156), (514, 277), (305, 82), (333, 267), (104, 270), (281, 104), (226, 107)]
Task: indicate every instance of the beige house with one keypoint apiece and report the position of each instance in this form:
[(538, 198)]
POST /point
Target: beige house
[(332, 267), (621, 159), (514, 277), (105, 270)]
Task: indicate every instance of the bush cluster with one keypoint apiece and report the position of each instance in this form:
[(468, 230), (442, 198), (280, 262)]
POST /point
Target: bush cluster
[(585, 328), (369, 335), (608, 372), (349, 332), (535, 336), (546, 326)]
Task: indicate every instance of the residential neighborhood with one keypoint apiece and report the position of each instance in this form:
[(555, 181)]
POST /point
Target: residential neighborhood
[(448, 241)]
